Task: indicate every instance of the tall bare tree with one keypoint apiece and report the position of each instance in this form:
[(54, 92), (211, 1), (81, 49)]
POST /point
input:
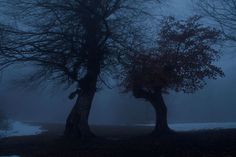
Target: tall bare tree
[(75, 43)]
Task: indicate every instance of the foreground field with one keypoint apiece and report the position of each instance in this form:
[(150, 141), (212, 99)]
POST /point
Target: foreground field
[(114, 141)]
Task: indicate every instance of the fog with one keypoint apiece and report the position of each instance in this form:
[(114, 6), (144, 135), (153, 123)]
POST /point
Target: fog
[(215, 103)]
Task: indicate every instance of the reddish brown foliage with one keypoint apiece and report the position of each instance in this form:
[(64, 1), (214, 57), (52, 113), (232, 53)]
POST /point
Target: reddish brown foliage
[(183, 60)]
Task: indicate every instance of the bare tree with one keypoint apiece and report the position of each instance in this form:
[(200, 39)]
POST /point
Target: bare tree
[(75, 43), (223, 12), (182, 61)]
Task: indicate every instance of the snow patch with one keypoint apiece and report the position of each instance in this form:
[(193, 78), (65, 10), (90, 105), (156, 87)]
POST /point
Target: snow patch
[(196, 126), (20, 129)]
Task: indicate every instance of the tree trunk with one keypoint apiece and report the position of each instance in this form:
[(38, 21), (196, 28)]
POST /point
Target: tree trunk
[(77, 122), (161, 124)]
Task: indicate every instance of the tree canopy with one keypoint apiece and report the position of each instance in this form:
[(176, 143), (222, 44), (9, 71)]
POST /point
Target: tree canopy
[(57, 36), (184, 58)]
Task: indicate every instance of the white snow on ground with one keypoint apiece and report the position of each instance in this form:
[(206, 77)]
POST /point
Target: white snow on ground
[(20, 129), (197, 126), (24, 129), (202, 126)]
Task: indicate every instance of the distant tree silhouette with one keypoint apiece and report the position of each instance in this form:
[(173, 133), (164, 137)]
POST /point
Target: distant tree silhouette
[(74, 43), (182, 61), (222, 12)]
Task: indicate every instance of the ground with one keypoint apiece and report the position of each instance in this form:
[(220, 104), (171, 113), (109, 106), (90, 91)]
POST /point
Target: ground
[(116, 141)]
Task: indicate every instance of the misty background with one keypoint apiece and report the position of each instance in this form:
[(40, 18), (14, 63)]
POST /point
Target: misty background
[(215, 103)]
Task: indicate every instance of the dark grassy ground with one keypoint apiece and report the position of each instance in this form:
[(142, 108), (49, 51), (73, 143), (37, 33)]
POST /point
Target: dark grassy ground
[(123, 141)]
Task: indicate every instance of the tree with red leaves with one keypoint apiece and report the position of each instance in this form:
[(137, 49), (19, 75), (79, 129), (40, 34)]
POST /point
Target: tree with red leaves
[(182, 61)]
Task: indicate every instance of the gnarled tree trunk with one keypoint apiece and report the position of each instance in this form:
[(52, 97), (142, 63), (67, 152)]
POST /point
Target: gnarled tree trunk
[(77, 122), (161, 124), (157, 101)]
